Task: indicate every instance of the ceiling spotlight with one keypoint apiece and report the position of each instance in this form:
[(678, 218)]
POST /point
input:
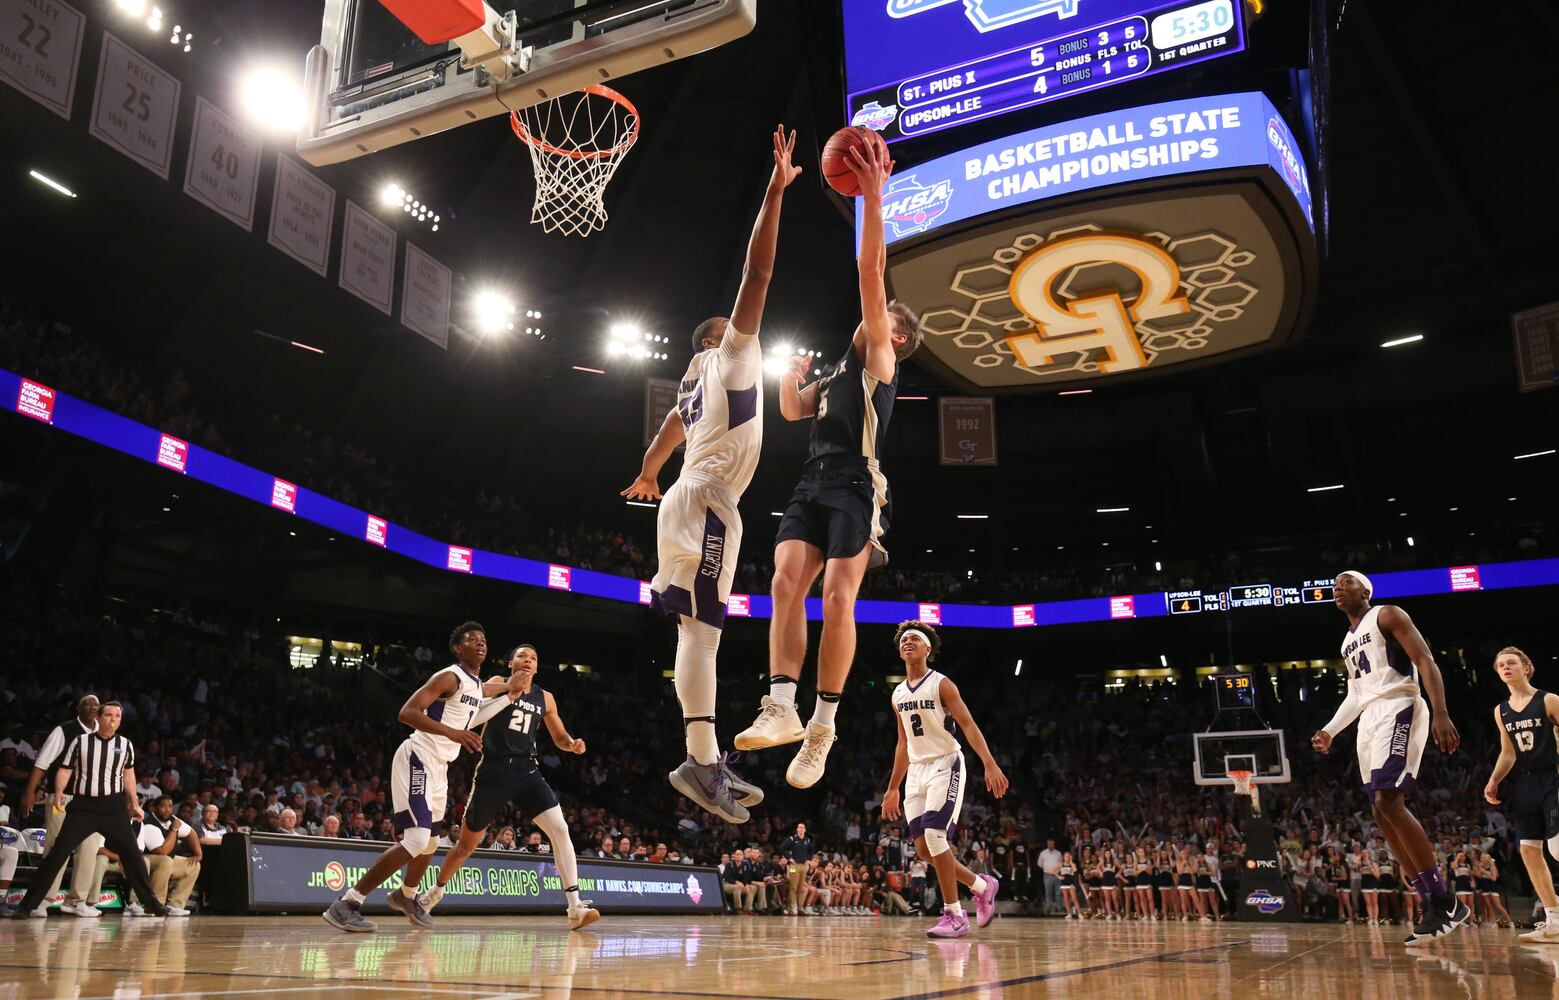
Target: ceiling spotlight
[(435, 227), (614, 348), (135, 7), (492, 311), (272, 98), (391, 194), (625, 331)]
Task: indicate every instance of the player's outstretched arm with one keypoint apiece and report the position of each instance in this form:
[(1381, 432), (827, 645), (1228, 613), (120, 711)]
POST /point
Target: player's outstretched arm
[(415, 712), (761, 248), (559, 731), (1349, 710), (1506, 760), (872, 168), (1395, 621), (891, 809), (667, 440), (995, 779), (797, 400)]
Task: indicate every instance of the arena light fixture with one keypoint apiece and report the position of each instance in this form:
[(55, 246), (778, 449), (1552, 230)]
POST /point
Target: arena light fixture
[(640, 503), (1534, 454), (587, 371), (908, 399), (1158, 567), (1111, 510), (272, 98), (390, 194), (972, 517), (1409, 541), (1325, 489), (1017, 670), (494, 312), (306, 347), (1413, 339), (1075, 392), (1163, 660), (51, 183)]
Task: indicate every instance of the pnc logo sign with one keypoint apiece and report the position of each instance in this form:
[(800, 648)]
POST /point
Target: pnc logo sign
[(1097, 321)]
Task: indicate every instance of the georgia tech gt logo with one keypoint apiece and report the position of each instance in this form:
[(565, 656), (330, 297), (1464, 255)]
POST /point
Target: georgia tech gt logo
[(1097, 321)]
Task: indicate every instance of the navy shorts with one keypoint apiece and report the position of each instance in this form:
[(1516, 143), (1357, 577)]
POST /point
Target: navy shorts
[(835, 509), (502, 780), (1536, 805)]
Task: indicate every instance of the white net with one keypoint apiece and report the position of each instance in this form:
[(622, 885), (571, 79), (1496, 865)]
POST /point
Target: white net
[(576, 143)]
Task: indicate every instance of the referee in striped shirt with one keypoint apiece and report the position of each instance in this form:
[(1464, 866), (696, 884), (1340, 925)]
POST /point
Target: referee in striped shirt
[(98, 771)]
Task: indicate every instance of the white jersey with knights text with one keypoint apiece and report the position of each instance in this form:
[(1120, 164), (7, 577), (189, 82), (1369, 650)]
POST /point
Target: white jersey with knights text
[(720, 400), (928, 728), (456, 712), (1377, 663)]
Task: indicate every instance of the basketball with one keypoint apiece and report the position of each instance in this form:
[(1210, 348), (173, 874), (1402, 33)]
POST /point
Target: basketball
[(836, 158)]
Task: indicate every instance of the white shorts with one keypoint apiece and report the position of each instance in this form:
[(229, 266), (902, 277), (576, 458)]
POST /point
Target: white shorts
[(1391, 740), (419, 789), (698, 535), (934, 794)]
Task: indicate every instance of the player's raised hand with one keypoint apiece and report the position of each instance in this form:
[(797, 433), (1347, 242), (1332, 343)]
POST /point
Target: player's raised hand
[(995, 779), (1445, 735), (798, 367), (784, 170), (1491, 794), (576, 746), (519, 682), (470, 739), (1321, 742), (642, 488), (871, 166), (890, 805)]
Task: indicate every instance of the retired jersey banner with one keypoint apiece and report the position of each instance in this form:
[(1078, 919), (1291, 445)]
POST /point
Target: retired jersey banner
[(967, 430), (273, 873), (660, 395), (137, 106), (42, 49)]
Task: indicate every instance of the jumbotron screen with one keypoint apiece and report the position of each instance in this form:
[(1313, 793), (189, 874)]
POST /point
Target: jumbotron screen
[(913, 67)]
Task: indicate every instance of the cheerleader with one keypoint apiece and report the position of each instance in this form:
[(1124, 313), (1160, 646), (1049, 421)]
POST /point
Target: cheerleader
[(1369, 886), (1164, 881), (1070, 887), (1206, 868), (1109, 870), (1461, 883), (1487, 887), (1145, 905), (1093, 891), (1342, 884), (1185, 879)]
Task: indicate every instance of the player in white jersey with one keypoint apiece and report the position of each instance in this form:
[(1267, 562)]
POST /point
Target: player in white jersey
[(927, 706), (442, 714), (1388, 665), (719, 414)]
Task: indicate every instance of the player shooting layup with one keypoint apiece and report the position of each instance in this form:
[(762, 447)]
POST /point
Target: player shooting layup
[(929, 711), (1527, 743), (441, 714), (1387, 661), (719, 414), (839, 511)]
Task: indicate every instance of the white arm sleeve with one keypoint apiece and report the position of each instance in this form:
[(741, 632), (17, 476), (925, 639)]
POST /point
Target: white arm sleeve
[(739, 347), (1346, 712), (490, 708)]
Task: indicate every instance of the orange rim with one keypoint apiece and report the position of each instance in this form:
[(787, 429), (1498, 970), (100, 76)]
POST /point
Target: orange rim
[(600, 90)]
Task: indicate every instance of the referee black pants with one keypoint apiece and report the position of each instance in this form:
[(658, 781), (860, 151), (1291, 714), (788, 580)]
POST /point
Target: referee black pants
[(84, 816)]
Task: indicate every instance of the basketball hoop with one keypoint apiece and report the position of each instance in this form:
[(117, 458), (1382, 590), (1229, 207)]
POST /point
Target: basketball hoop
[(576, 143), (1245, 788)]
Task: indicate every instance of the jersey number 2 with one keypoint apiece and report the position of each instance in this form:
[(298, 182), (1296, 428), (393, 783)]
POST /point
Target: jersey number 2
[(915, 726), (521, 722)]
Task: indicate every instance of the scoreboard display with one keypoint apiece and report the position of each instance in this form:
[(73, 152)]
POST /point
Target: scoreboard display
[(913, 67), (1235, 691), (1250, 595)]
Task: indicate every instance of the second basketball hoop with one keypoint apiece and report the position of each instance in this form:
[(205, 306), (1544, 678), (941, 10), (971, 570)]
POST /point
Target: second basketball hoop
[(576, 142)]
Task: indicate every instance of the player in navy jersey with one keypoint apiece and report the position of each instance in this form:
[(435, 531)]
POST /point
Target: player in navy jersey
[(836, 517), (1388, 665), (929, 711), (1526, 722), (507, 773), (440, 714)]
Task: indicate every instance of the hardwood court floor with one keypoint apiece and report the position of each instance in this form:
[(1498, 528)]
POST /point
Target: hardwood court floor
[(812, 958)]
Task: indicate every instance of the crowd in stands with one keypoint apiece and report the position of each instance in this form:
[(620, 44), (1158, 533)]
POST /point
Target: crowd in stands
[(235, 738), (356, 475)]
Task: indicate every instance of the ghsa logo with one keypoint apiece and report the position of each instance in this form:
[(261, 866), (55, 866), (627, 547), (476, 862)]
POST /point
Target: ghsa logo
[(1264, 901), (909, 206), (874, 116), (695, 892), (988, 15), (1293, 169)]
